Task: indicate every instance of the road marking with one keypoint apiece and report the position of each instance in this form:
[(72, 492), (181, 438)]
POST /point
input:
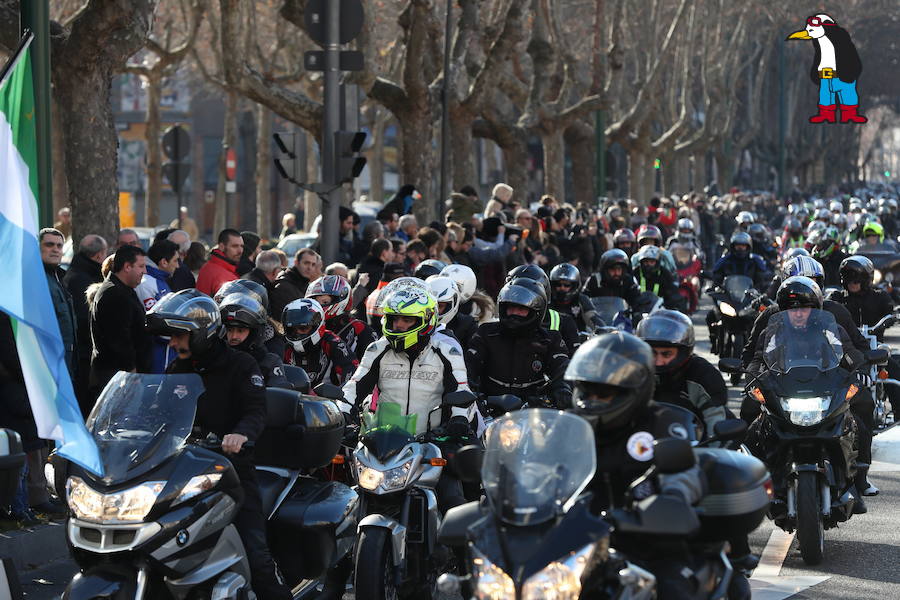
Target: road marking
[(766, 584)]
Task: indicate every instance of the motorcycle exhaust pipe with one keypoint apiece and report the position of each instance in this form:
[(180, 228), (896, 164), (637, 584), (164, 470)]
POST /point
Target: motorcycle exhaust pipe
[(826, 499), (792, 500)]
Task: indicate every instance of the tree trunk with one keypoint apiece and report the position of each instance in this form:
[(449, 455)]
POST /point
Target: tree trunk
[(58, 141), (679, 171), (640, 185), (463, 154), (724, 167), (515, 161), (152, 137), (668, 174), (229, 140), (582, 149), (417, 161), (263, 172), (376, 157), (701, 177), (554, 164)]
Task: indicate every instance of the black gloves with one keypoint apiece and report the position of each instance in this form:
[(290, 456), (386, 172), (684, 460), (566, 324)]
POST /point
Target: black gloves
[(458, 427)]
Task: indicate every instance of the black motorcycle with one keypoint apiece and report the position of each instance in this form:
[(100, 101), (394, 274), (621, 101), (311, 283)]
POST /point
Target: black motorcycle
[(805, 434), (736, 304), (159, 522)]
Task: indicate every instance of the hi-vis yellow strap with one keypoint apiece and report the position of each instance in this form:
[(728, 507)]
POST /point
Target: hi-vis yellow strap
[(644, 285), (554, 320)]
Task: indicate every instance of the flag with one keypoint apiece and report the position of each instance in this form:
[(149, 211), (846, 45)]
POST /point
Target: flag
[(24, 295)]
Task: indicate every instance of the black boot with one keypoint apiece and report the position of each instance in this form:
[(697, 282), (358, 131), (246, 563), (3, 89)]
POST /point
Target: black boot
[(336, 580), (862, 481), (859, 484)]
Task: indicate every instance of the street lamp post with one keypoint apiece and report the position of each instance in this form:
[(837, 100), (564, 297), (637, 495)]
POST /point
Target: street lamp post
[(444, 192)]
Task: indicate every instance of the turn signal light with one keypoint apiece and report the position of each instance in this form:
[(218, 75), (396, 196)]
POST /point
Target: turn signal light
[(757, 393), (762, 308), (438, 462), (339, 459), (851, 391), (882, 374)]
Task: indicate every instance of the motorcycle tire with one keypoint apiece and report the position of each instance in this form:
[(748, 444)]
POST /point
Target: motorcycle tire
[(810, 530), (373, 577), (739, 589)]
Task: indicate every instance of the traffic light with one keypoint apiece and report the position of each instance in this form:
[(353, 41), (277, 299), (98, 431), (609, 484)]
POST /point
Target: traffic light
[(348, 164), (286, 162), (657, 163)]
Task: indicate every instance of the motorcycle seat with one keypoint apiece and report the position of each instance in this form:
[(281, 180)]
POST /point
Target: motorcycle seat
[(270, 486)]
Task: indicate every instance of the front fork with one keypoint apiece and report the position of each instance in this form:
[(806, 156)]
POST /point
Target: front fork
[(825, 482)]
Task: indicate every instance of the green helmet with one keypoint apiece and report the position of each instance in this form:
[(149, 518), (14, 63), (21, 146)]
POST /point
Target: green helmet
[(826, 242), (873, 228), (414, 302)]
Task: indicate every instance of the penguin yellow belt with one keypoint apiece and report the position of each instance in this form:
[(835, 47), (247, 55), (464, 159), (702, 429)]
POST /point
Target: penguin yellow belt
[(827, 73)]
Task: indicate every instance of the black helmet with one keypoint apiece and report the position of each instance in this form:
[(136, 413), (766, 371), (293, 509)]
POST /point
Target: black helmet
[(522, 292), (758, 233), (243, 310), (857, 269), (243, 286), (668, 328), (624, 238), (533, 272), (566, 273), (794, 227), (615, 364), (429, 267), (612, 258), (187, 311), (799, 292), (738, 238)]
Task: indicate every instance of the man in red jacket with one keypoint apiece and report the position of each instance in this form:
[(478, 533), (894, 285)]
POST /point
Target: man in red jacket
[(222, 264)]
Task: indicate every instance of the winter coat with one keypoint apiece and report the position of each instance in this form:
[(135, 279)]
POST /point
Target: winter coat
[(121, 343), (65, 313), (82, 272), (289, 286), (215, 272)]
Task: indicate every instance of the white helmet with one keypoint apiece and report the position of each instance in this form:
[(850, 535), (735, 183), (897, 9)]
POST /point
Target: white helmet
[(464, 278), (304, 324), (445, 290)]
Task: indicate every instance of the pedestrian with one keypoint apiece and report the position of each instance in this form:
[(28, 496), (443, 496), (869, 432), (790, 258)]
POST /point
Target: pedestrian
[(64, 225), (288, 225), (187, 224), (499, 202), (117, 321), (222, 263), (380, 253), (408, 228), (292, 283), (248, 257), (162, 260), (267, 270), (196, 258), (51, 242), (182, 278), (128, 237)]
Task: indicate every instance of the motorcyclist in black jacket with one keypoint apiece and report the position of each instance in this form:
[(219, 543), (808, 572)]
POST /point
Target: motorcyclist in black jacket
[(614, 278), (232, 407), (516, 355), (243, 327), (566, 296), (613, 382), (554, 320), (651, 277)]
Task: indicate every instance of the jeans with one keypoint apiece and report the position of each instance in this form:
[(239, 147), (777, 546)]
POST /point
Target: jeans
[(19, 505), (835, 91)]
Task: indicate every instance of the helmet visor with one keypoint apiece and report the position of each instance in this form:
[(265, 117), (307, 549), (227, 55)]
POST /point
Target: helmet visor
[(607, 367)]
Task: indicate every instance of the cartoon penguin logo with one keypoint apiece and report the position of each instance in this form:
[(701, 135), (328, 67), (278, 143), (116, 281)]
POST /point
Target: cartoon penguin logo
[(835, 68)]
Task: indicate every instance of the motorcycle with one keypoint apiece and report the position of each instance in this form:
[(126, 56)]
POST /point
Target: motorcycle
[(159, 522), (805, 435), (736, 303), (397, 554), (884, 412), (689, 267), (614, 312)]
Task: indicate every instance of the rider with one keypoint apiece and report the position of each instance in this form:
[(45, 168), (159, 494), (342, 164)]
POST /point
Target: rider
[(613, 278), (233, 407), (826, 248), (613, 385), (792, 236), (625, 240), (554, 320), (451, 322), (332, 292), (566, 296), (762, 243), (516, 355), (652, 277), (273, 336), (320, 352), (244, 326), (685, 237), (683, 378), (650, 235)]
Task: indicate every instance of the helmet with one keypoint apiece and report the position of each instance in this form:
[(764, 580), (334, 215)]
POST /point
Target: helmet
[(835, 206), (826, 242), (892, 204), (243, 286), (647, 233), (873, 228), (668, 328), (244, 310), (465, 279), (758, 233), (649, 253), (531, 272), (802, 214), (824, 215), (615, 364), (840, 221), (331, 285), (745, 219), (794, 228), (429, 267), (685, 226), (858, 269), (187, 311), (444, 290), (741, 237), (799, 292), (612, 258), (522, 292), (413, 302), (818, 203), (624, 237), (794, 252), (566, 273), (804, 266), (304, 323)]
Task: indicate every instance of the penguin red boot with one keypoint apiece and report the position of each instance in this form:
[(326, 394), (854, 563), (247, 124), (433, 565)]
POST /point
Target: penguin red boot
[(849, 114), (827, 114)]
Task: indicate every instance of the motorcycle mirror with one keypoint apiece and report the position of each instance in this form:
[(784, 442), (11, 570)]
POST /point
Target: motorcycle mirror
[(329, 390), (467, 463), (462, 399), (730, 365), (298, 378), (672, 455), (730, 429), (504, 403), (878, 356)]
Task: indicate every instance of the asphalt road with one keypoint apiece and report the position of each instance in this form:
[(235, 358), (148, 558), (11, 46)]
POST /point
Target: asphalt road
[(862, 556)]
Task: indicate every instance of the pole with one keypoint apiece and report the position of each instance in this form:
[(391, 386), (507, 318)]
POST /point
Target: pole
[(782, 120), (329, 234), (600, 145), (35, 15), (445, 118)]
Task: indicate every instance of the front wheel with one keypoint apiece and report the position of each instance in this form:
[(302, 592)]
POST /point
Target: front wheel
[(373, 577), (810, 531)]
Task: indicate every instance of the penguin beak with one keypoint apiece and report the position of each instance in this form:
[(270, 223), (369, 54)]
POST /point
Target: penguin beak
[(799, 35)]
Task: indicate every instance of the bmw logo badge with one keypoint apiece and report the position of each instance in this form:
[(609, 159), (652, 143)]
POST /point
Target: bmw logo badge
[(182, 537)]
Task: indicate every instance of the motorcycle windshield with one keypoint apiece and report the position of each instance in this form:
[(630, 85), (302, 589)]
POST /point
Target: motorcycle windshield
[(683, 257), (387, 430), (141, 420), (736, 286), (536, 462), (607, 307), (802, 337)]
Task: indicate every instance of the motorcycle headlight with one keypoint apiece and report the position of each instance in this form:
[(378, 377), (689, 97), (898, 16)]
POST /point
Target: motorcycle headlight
[(493, 583), (392, 479), (877, 277), (127, 506), (197, 485), (727, 310), (805, 411), (560, 580)]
